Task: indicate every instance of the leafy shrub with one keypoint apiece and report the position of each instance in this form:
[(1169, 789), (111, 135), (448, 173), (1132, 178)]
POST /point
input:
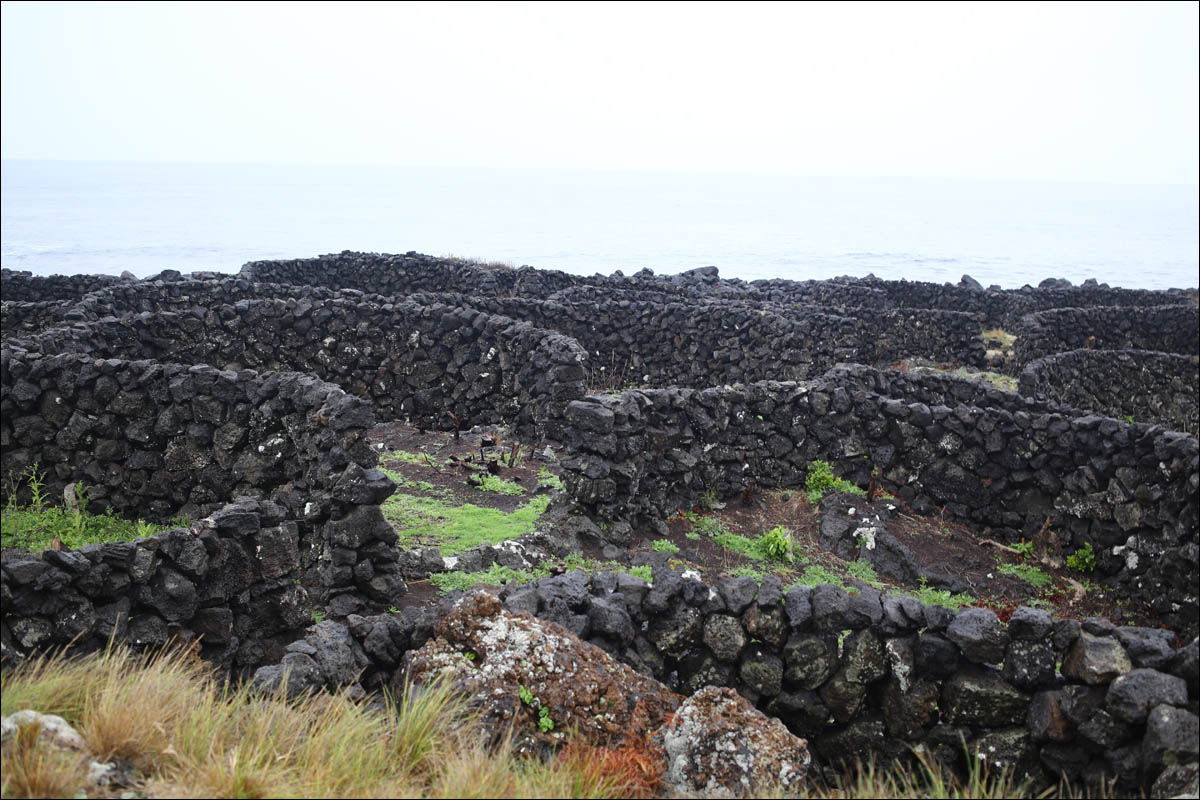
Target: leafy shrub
[(820, 481), (1083, 559), (776, 544)]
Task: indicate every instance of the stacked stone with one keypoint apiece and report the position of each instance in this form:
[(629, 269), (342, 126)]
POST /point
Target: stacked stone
[(857, 674), (1128, 489), (27, 288), (431, 364), (24, 319), (1152, 387), (232, 578), (1165, 328)]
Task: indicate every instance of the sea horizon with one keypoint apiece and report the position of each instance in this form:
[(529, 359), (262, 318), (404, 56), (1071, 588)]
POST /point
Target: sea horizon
[(70, 217)]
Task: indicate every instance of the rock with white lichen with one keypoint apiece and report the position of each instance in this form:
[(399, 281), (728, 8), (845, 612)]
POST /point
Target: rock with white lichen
[(717, 744)]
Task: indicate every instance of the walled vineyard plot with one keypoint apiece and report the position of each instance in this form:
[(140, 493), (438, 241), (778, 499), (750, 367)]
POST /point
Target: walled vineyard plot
[(244, 402)]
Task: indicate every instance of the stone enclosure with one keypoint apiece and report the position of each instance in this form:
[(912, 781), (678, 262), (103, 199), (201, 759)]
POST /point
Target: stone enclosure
[(243, 402)]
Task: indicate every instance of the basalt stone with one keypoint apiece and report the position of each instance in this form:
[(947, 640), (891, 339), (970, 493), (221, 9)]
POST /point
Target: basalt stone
[(1132, 695), (699, 669), (1152, 648), (147, 630), (864, 738), (300, 672), (909, 708), (213, 625), (1095, 659), (802, 711), (571, 588), (902, 614), (761, 671), (1030, 624), (766, 623), (798, 607), (32, 632), (1064, 761), (360, 526), (1066, 631), (738, 593), (1097, 727), (770, 592), (936, 655), (386, 639), (1186, 665), (831, 606), (677, 632), (979, 696), (863, 657), (725, 636), (1172, 737), (634, 590), (170, 594), (1177, 780), (186, 551), (1009, 750), (610, 619), (558, 611), (980, 634), (1029, 664), (664, 589), (938, 618), (865, 608), (810, 660), (277, 550), (843, 696), (1047, 719)]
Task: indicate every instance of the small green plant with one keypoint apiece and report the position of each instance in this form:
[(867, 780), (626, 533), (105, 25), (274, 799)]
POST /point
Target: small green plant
[(1024, 550), (545, 723), (815, 574), (1128, 418), (469, 656), (691, 535), (497, 485), (548, 478), (664, 546), (1083, 559), (820, 481), (708, 502), (317, 617), (1026, 572), (525, 695), (777, 544), (393, 610), (642, 571), (940, 597), (865, 572), (710, 526), (748, 572), (496, 574)]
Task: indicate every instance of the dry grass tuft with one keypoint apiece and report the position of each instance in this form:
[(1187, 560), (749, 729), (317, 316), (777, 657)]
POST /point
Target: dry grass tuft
[(33, 770)]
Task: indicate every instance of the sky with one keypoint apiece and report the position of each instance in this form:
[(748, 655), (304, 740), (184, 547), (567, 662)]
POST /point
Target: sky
[(1041, 91)]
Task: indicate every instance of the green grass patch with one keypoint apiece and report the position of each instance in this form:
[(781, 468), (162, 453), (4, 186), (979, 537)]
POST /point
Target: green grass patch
[(420, 459), (820, 481), (815, 574), (496, 574), (497, 485), (36, 526), (664, 546), (1026, 572), (548, 478), (864, 571), (455, 528), (940, 597), (710, 526)]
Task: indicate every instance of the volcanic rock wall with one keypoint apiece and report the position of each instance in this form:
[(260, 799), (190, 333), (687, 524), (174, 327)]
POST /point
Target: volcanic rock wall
[(857, 674), (1130, 490), (1169, 329), (1155, 387)]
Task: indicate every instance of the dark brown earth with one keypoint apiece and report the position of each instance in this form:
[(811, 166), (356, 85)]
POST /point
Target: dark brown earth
[(937, 543)]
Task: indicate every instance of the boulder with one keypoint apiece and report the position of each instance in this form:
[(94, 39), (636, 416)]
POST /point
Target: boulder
[(718, 745), (1095, 660), (510, 666)]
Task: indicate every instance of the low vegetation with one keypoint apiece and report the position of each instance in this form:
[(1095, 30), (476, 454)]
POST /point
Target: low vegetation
[(42, 525), (433, 518), (821, 481)]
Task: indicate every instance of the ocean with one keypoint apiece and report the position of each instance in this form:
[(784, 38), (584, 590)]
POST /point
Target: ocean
[(96, 217)]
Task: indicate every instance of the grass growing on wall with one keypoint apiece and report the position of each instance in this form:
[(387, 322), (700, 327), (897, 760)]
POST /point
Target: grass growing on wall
[(41, 524)]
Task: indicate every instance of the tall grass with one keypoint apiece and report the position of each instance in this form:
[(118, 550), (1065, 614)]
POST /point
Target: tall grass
[(192, 734)]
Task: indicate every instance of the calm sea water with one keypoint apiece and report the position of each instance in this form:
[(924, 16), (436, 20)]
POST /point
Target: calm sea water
[(72, 217)]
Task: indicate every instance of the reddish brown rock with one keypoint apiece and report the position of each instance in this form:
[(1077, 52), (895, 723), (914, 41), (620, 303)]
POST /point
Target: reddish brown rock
[(719, 745), (493, 654)]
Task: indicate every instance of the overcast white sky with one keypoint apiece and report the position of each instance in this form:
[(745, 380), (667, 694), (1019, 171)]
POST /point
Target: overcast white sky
[(1074, 91)]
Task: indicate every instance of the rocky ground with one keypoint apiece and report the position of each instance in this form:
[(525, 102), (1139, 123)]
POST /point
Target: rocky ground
[(459, 494)]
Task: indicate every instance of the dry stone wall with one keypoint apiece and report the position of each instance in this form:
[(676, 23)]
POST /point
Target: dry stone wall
[(28, 288), (856, 674), (1155, 387), (1128, 489), (1168, 329)]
